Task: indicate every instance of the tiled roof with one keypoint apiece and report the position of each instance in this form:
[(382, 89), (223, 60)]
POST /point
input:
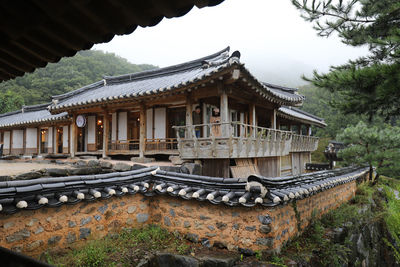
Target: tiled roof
[(36, 193), (34, 33), (300, 115), (30, 115), (168, 79)]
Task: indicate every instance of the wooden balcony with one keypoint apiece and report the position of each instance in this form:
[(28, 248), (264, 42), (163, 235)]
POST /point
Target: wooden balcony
[(153, 146), (231, 140), (303, 143)]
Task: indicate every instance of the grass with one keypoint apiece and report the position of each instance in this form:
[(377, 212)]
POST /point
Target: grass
[(392, 213), (317, 245), (125, 249)]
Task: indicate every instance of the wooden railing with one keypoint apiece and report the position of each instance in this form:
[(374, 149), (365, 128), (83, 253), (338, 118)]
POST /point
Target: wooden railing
[(231, 140), (124, 145), (302, 143), (151, 145), (161, 144)]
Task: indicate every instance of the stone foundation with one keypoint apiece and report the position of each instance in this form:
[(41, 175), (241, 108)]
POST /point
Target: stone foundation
[(258, 228)]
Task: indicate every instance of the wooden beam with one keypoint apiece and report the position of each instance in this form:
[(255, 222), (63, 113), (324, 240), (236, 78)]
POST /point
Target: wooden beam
[(273, 119), (105, 133), (252, 118), (74, 140), (189, 115), (142, 130), (224, 112)]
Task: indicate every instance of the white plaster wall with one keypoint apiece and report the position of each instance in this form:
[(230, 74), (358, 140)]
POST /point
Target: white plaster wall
[(114, 126), (65, 136), (6, 140), (122, 125), (159, 122), (18, 139), (50, 137), (31, 137), (149, 123), (91, 128)]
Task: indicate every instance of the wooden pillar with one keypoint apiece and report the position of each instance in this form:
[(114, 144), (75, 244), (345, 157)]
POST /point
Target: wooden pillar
[(74, 140), (189, 116), (204, 118), (38, 140), (106, 131), (24, 141), (142, 130), (273, 119), (252, 119), (224, 111)]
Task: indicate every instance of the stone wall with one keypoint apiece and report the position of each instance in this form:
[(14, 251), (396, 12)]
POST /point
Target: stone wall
[(258, 228)]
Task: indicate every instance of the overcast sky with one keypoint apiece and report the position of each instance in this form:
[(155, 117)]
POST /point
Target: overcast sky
[(276, 44)]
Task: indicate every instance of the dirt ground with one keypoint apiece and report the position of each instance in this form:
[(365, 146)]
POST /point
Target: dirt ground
[(14, 168)]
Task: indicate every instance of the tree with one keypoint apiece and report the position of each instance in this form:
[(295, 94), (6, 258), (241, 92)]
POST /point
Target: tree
[(71, 73), (10, 101), (319, 102), (379, 146), (368, 85)]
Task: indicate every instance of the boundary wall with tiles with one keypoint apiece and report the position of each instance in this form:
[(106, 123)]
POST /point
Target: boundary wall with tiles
[(258, 228)]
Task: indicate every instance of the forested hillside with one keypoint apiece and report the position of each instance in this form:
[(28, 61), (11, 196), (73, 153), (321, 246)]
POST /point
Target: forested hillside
[(69, 74), (321, 103)]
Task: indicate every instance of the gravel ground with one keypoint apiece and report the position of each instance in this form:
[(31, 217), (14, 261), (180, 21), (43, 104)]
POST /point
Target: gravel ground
[(14, 168)]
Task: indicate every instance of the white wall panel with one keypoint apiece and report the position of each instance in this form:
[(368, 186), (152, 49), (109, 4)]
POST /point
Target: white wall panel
[(159, 122), (17, 138), (6, 140), (122, 125), (50, 137), (65, 136), (31, 138), (91, 125)]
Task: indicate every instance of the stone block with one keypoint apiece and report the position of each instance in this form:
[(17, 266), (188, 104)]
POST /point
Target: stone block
[(85, 221), (121, 167), (221, 225), (265, 229), (105, 164), (34, 245), (93, 163), (84, 233), (54, 240), (268, 242), (142, 217), (167, 221), (142, 160), (131, 209), (19, 235), (192, 237), (71, 238), (56, 172), (28, 175)]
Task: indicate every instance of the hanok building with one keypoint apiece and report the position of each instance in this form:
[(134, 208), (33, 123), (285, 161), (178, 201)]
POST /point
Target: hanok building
[(174, 111)]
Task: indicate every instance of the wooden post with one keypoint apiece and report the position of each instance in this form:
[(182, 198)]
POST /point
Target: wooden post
[(189, 117), (105, 134), (224, 112), (252, 119), (204, 114), (74, 140), (142, 130), (273, 119), (24, 141)]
